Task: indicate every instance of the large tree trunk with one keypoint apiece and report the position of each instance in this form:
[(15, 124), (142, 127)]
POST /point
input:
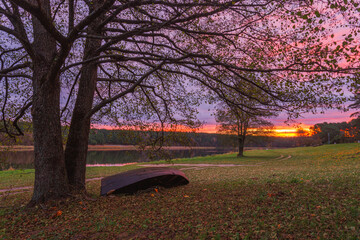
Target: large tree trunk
[(50, 173), (241, 142), (77, 142)]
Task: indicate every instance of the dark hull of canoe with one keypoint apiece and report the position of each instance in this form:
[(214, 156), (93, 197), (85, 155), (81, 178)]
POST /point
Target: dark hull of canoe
[(140, 179)]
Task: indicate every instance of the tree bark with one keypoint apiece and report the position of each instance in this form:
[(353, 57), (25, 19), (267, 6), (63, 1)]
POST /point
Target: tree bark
[(77, 142), (241, 142), (50, 173)]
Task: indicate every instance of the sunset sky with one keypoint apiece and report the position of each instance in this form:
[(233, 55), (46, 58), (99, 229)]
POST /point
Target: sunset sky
[(283, 129)]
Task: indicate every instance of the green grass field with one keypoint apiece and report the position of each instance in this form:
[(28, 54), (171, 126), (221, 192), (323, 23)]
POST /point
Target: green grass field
[(298, 193)]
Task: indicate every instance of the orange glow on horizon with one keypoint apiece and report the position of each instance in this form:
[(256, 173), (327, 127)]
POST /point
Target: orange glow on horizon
[(278, 131), (208, 128), (101, 126)]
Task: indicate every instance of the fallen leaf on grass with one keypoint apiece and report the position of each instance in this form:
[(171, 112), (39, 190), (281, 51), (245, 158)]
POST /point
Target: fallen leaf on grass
[(57, 214)]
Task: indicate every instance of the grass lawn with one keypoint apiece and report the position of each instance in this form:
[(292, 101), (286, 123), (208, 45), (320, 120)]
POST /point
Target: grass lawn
[(298, 193)]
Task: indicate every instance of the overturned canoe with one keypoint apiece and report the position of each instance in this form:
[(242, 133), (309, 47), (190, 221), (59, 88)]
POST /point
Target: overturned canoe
[(141, 179)]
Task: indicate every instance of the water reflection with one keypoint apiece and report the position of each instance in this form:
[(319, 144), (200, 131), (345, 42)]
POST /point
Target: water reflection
[(25, 159), (17, 160)]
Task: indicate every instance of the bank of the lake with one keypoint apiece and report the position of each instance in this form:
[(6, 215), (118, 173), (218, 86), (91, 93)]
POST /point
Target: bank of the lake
[(112, 155), (103, 147)]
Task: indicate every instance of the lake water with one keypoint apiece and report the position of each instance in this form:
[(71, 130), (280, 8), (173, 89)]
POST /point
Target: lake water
[(25, 159)]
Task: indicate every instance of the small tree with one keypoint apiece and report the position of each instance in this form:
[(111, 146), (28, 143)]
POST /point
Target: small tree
[(232, 120)]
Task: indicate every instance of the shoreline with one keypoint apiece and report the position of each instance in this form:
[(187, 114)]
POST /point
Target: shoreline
[(19, 148), (23, 148)]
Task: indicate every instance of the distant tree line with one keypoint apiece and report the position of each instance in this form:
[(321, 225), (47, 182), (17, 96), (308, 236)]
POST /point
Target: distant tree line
[(341, 132), (344, 132), (321, 133), (128, 137)]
